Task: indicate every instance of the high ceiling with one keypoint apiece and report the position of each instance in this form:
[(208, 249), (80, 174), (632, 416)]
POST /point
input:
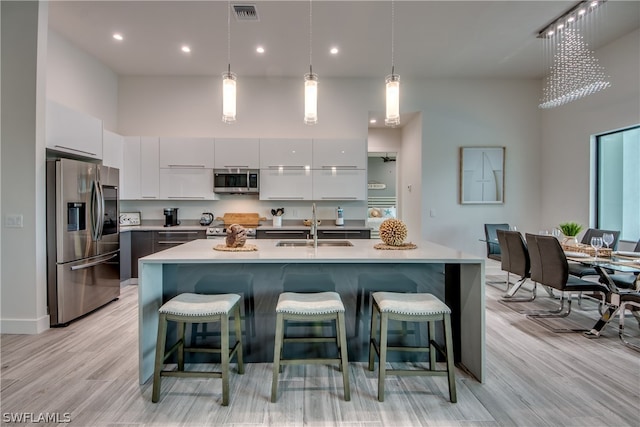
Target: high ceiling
[(432, 38)]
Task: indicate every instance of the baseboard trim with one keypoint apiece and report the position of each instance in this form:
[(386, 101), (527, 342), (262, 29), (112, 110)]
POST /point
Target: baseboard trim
[(24, 326)]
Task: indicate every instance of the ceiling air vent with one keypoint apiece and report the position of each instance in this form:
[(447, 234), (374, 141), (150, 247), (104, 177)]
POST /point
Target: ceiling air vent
[(245, 12)]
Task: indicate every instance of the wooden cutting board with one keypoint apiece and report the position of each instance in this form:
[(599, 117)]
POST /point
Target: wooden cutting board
[(244, 219)]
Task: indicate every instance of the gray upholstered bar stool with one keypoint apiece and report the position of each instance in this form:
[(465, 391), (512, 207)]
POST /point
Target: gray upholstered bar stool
[(419, 307), (196, 308), (310, 307)]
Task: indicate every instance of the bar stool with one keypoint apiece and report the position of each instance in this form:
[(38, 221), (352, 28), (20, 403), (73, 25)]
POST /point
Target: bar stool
[(419, 307), (375, 282), (238, 283), (305, 307), (195, 308)]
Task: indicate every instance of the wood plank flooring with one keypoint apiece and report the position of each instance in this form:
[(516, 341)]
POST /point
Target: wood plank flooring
[(535, 377)]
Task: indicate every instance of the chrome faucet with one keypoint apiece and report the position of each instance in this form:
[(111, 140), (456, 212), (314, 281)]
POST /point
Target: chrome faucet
[(314, 225)]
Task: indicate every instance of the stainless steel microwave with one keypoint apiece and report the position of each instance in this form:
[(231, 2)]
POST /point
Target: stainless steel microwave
[(236, 181)]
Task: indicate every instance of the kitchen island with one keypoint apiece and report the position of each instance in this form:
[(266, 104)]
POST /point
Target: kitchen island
[(454, 277)]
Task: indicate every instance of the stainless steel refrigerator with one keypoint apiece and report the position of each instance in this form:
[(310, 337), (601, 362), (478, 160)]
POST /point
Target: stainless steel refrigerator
[(83, 240)]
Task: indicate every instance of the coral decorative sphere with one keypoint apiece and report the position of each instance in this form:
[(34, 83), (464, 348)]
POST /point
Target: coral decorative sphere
[(393, 232), (236, 236)]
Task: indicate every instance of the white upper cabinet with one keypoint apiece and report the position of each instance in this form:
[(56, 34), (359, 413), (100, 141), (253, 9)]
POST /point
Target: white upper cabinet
[(130, 172), (285, 184), (112, 153), (339, 153), (339, 184), (292, 153), (149, 170), (186, 153), (237, 153), (186, 184), (72, 131)]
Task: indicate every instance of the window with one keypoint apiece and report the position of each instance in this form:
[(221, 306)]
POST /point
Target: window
[(618, 182)]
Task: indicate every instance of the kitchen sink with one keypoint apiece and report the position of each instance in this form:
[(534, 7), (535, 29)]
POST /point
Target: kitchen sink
[(309, 243)]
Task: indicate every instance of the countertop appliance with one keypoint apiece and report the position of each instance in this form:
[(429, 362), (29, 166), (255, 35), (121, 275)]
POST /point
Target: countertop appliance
[(236, 181), (221, 233), (83, 241), (206, 218), (171, 217)]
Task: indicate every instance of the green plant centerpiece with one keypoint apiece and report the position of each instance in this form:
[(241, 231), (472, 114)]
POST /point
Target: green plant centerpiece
[(570, 230)]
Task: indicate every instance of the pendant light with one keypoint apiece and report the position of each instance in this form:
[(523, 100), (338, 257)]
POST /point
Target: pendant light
[(310, 82), (228, 80), (392, 82)]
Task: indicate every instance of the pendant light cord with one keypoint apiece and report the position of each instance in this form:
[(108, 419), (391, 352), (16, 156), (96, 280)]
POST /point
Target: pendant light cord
[(393, 16), (310, 35), (229, 34)]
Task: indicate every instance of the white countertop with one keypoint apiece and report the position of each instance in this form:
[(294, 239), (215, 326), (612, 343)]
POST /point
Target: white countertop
[(125, 228), (201, 251)]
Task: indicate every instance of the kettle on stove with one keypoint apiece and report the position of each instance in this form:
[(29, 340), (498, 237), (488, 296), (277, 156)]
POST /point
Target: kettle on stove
[(206, 218)]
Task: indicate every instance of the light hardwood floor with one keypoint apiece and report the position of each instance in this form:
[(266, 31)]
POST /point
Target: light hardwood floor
[(535, 377)]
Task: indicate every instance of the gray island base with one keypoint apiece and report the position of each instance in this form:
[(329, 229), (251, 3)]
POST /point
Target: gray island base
[(454, 277)]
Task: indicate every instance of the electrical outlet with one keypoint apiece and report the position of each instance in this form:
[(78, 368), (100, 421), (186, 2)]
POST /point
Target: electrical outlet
[(13, 221)]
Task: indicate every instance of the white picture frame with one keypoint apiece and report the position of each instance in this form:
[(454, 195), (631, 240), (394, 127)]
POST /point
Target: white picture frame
[(482, 175)]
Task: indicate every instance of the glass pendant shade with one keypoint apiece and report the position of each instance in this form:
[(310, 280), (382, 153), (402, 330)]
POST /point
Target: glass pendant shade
[(310, 99), (228, 97), (393, 100)]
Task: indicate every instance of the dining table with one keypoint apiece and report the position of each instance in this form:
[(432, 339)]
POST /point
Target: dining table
[(624, 263)]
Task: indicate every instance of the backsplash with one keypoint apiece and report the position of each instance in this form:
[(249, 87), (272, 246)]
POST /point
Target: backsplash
[(192, 209)]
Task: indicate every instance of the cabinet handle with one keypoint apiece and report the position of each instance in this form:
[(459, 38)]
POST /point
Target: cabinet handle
[(291, 167), (339, 198), (171, 242), (339, 232), (186, 197), (187, 166), (236, 167), (149, 197), (286, 198), (75, 149), (177, 232), (340, 167), (283, 232)]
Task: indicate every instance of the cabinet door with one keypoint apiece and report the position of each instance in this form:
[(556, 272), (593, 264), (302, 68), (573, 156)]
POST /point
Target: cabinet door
[(168, 239), (347, 184), (345, 153), (112, 149), (282, 234), (72, 131), (237, 153), (344, 234), (285, 184), (149, 168), (179, 183), (276, 153), (186, 153), (141, 246), (130, 175)]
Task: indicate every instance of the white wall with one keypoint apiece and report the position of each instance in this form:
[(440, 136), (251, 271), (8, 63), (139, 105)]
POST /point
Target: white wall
[(23, 275), (81, 82), (565, 166)]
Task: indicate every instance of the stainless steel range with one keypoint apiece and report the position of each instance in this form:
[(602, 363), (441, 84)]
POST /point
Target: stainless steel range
[(221, 232)]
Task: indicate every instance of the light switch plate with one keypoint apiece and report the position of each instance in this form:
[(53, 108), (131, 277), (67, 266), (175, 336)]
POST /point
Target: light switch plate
[(13, 221)]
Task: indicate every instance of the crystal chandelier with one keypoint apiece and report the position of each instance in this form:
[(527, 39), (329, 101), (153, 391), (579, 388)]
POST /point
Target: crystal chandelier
[(310, 82), (575, 71), (228, 80), (392, 84)]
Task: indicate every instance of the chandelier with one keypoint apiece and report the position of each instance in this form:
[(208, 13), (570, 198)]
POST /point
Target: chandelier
[(575, 71)]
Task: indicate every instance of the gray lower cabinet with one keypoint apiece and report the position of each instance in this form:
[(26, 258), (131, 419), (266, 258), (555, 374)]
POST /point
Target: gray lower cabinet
[(322, 234), (141, 246), (145, 243)]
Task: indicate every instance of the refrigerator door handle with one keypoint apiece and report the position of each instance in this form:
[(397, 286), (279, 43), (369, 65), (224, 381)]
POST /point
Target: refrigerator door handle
[(100, 222), (94, 210), (92, 264)]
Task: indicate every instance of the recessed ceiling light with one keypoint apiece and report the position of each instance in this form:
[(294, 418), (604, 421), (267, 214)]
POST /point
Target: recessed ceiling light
[(334, 50), (260, 49), (373, 121), (118, 36), (186, 49)]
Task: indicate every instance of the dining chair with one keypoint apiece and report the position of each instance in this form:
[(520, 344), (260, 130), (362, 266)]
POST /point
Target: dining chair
[(493, 246), (549, 267), (580, 270), (515, 259), (630, 301), (626, 281)]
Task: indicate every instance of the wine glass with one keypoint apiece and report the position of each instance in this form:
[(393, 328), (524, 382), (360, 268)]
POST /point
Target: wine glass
[(513, 228), (596, 243), (556, 233), (607, 238)]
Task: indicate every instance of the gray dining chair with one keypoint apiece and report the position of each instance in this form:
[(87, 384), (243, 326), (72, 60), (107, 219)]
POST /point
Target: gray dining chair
[(515, 259), (549, 267), (626, 281), (493, 246), (580, 270)]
